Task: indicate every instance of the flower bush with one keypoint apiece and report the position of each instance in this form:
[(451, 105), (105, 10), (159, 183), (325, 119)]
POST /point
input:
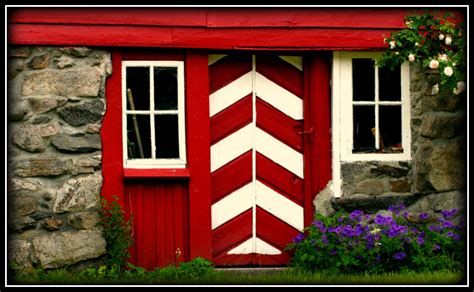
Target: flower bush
[(434, 40), (359, 242)]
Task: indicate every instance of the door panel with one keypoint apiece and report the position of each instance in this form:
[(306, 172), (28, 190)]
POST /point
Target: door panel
[(257, 169)]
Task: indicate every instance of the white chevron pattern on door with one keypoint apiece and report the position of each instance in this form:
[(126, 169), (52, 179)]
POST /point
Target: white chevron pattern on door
[(257, 169)]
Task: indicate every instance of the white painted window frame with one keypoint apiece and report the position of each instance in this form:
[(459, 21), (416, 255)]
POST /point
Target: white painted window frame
[(154, 162), (342, 117)]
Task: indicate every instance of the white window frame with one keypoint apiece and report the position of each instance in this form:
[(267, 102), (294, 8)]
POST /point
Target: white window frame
[(342, 118), (155, 162)]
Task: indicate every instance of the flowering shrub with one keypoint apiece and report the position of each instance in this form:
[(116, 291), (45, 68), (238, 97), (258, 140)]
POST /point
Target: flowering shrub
[(437, 42), (359, 242)]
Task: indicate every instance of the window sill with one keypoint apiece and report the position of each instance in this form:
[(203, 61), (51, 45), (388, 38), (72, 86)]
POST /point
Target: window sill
[(156, 173)]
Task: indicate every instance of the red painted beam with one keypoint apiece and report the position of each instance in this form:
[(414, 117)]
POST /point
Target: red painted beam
[(156, 173), (112, 158), (180, 37), (199, 156), (218, 17)]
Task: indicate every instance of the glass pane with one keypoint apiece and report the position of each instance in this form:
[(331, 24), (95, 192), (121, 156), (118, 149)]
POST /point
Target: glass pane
[(364, 129), (139, 137), (363, 80), (389, 84), (138, 88), (391, 128), (166, 135), (166, 88)]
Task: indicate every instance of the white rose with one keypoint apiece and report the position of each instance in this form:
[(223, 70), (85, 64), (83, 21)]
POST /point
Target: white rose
[(443, 57), (461, 86), (456, 91), (435, 89), (417, 44), (448, 71), (392, 44), (411, 58), (448, 40), (441, 36), (434, 64)]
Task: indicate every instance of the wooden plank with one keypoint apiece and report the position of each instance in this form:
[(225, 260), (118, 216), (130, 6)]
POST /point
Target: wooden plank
[(180, 37), (218, 17), (232, 233), (112, 160), (266, 226), (228, 69), (231, 119), (279, 125), (198, 139), (232, 176), (279, 179), (281, 73)]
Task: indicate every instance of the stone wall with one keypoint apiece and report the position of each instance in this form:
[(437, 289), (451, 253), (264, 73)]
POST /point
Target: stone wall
[(434, 179), (55, 108)]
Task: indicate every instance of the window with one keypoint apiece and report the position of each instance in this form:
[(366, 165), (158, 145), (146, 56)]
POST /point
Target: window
[(153, 114), (372, 108)]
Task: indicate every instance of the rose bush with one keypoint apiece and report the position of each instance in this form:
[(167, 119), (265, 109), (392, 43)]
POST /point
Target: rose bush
[(435, 40)]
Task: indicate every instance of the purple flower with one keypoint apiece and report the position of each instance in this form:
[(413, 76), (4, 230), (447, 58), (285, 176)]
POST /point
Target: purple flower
[(355, 215), (420, 241), (436, 247), (423, 216), (448, 213), (324, 239), (298, 238), (399, 255), (340, 219), (453, 235), (318, 223), (333, 252), (447, 224)]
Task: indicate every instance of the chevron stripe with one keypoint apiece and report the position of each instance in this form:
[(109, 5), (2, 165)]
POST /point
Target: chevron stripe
[(232, 205), (231, 93), (231, 147), (280, 98), (261, 247), (232, 233), (278, 205), (279, 152), (268, 223)]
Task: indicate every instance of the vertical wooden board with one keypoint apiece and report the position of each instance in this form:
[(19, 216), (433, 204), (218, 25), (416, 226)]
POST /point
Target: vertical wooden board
[(198, 141), (112, 162)]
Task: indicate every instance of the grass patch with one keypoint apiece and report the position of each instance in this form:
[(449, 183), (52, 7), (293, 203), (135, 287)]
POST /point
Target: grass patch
[(182, 276)]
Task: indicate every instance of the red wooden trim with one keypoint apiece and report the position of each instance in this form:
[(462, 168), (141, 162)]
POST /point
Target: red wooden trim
[(232, 233), (272, 67), (308, 139), (319, 156), (280, 179), (156, 173), (199, 157), (267, 224), (152, 54), (228, 69), (279, 125), (112, 162), (231, 119), (219, 17), (181, 37), (231, 176)]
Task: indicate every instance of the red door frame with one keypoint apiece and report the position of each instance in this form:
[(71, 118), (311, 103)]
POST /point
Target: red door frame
[(317, 156)]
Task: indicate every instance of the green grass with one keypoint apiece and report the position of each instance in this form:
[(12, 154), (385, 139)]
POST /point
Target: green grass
[(170, 276)]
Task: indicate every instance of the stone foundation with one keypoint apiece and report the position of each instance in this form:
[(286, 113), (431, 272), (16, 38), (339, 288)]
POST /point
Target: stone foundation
[(56, 104)]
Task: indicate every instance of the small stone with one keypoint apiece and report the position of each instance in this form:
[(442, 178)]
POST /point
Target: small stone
[(43, 104), (52, 224), (70, 144), (17, 110), (19, 225), (84, 220), (39, 167), (64, 61), (19, 52), (49, 130), (28, 138), (76, 51), (399, 186), (42, 119), (83, 113), (40, 62), (79, 194)]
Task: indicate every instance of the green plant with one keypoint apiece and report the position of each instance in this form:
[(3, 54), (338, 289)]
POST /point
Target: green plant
[(358, 242), (435, 40), (117, 233)]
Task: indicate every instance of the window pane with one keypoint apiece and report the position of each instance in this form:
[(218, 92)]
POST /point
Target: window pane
[(389, 84), (139, 138), (391, 128), (138, 88), (166, 88), (363, 80), (166, 135), (364, 122)]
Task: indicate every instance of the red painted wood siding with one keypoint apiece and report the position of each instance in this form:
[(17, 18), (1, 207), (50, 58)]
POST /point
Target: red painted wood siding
[(212, 28), (160, 212)]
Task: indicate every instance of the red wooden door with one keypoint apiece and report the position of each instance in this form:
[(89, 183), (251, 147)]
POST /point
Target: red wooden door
[(257, 163)]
